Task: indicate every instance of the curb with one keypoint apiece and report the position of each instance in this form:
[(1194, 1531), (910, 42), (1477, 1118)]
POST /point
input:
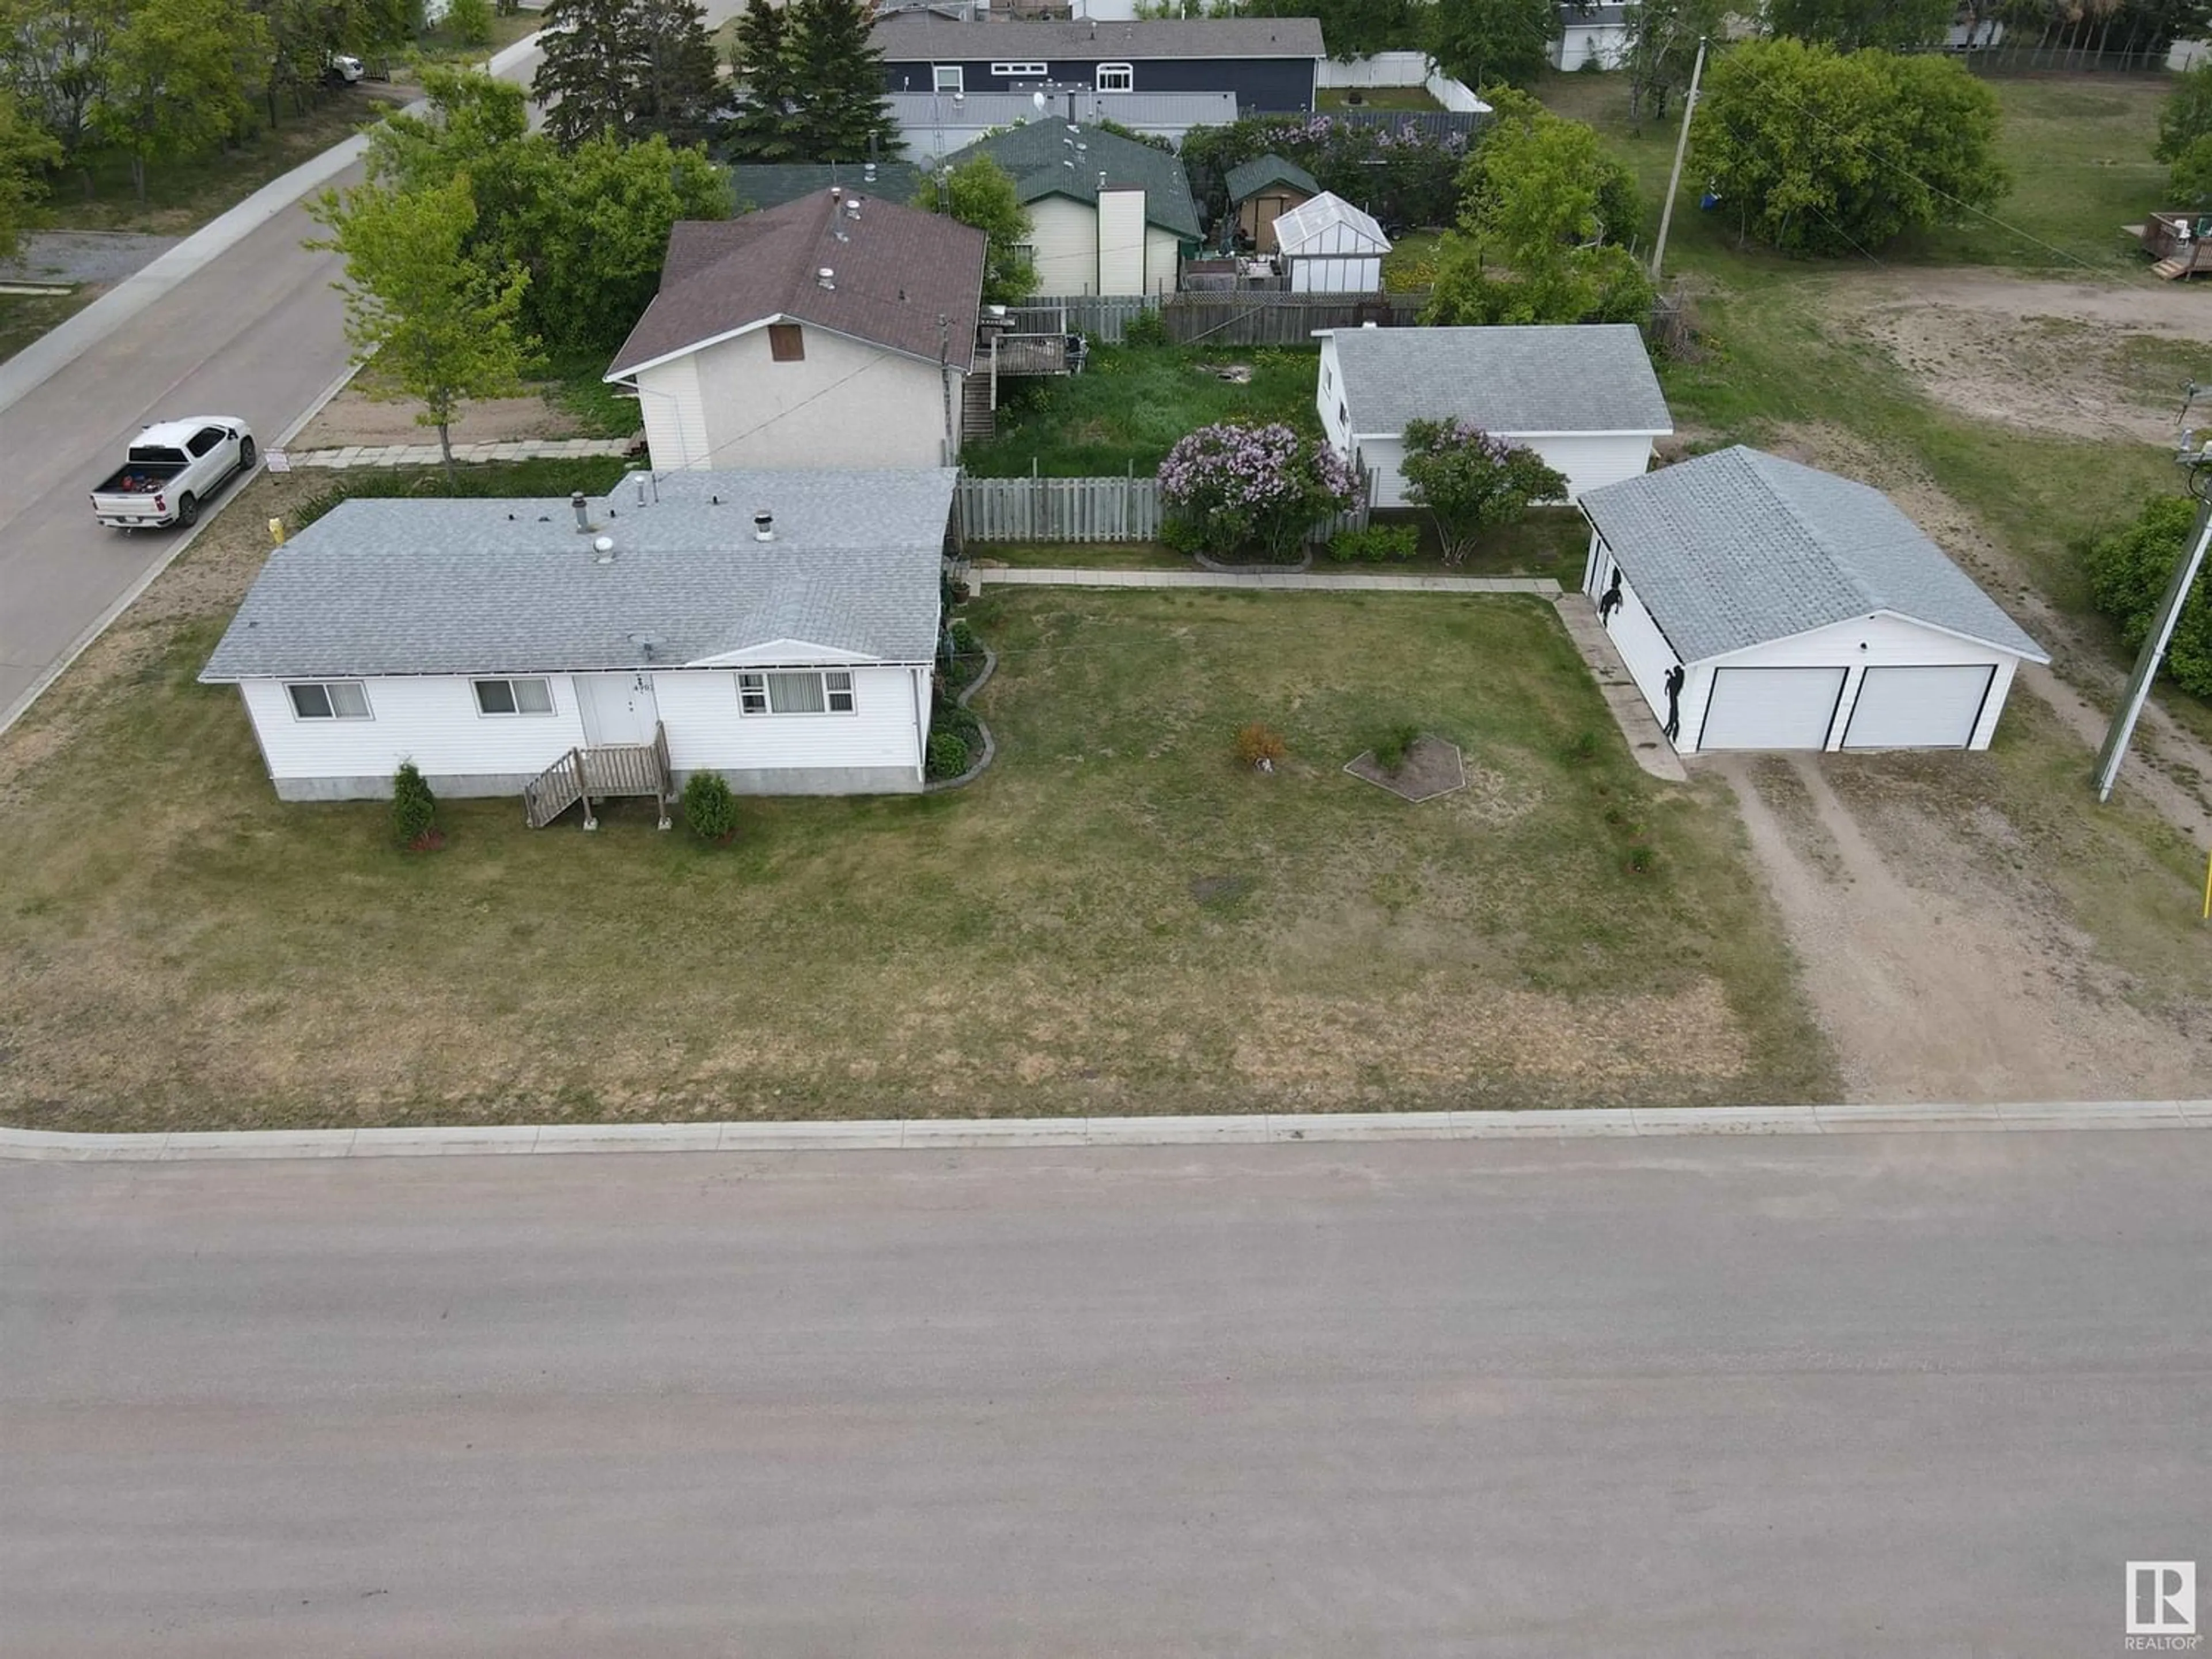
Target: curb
[(925, 1135)]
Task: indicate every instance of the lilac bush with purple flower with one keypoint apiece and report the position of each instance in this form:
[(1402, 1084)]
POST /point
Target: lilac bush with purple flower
[(1237, 483), (1469, 479)]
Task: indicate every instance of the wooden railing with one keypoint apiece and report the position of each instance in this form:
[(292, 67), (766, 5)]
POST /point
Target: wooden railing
[(598, 773)]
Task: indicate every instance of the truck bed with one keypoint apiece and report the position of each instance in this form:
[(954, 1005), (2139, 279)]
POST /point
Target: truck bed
[(140, 478)]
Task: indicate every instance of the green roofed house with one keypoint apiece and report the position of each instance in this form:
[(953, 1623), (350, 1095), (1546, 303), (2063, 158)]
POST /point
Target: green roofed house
[(771, 184), (1261, 190), (1108, 215)]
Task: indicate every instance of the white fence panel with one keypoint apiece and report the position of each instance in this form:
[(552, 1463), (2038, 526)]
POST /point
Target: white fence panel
[(1384, 69), (1454, 95), (1060, 509)]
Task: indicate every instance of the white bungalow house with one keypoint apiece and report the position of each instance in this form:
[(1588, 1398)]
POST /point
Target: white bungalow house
[(833, 331), (776, 627), (1584, 397), (1800, 611), (1329, 246)]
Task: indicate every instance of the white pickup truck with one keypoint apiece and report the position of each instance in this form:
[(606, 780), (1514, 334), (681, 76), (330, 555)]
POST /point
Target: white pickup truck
[(175, 466)]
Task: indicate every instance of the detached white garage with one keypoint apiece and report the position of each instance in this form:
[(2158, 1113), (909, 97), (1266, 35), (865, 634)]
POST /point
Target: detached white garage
[(1582, 395), (1764, 605)]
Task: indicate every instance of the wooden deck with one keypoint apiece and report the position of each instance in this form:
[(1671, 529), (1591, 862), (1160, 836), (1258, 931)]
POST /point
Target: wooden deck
[(2177, 241), (601, 773)]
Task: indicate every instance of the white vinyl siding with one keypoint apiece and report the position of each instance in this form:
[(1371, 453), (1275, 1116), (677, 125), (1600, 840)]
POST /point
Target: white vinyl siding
[(699, 710), (430, 720), (329, 700), (505, 697), (1585, 462), (670, 403), (1120, 241), (1639, 640), (847, 404)]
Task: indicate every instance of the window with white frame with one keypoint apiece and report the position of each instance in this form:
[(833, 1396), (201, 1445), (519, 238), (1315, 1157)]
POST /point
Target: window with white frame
[(329, 700), (513, 697), (946, 77), (1020, 72), (796, 691), (1116, 77)]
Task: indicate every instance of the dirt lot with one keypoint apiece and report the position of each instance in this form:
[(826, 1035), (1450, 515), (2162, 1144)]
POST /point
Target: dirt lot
[(357, 417)]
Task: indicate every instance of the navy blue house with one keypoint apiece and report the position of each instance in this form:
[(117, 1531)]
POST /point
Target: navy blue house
[(1269, 63)]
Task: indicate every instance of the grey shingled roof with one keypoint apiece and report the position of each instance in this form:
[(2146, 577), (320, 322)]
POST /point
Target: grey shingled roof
[(1588, 377), (913, 37), (771, 184), (905, 280), (1249, 178), (511, 586), (1738, 548), (1034, 154)]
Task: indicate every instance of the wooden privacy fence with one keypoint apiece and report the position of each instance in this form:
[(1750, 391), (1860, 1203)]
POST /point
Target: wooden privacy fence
[(1258, 316), (1092, 510), (1098, 316), (1060, 509)]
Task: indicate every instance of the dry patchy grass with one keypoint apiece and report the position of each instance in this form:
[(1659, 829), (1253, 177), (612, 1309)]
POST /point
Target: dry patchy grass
[(1117, 918)]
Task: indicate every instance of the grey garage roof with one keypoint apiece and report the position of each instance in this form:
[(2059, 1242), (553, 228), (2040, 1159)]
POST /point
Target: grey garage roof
[(1740, 547), (512, 586), (1591, 377)]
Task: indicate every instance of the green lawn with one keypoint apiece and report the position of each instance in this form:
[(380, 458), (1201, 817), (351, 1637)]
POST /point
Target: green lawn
[(1118, 918), (1374, 98), (25, 317), (1410, 263), (1547, 543), (182, 195), (2078, 148), (1126, 410)]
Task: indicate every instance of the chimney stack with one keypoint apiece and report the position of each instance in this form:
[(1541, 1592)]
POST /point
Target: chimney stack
[(764, 526)]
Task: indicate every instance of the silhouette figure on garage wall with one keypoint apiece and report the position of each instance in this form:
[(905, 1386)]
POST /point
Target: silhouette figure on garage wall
[(1610, 602), (1674, 682)]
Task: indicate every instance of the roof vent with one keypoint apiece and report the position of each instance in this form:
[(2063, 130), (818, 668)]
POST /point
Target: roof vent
[(826, 279), (603, 550), (868, 172), (836, 194), (583, 513), (853, 208), (764, 526)]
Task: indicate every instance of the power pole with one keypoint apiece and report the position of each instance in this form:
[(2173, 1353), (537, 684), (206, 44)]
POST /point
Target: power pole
[(2197, 458), (1681, 149)]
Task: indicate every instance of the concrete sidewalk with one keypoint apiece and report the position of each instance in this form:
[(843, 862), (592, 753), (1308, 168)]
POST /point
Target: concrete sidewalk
[(1288, 581), (922, 1135), (1638, 724)]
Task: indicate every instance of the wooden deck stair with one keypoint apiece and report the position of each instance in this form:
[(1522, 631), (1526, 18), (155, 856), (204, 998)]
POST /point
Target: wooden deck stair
[(977, 418), (2168, 270), (599, 772)]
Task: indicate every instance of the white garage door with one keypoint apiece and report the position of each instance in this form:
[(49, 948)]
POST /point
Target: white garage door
[(1919, 707), (1770, 708)]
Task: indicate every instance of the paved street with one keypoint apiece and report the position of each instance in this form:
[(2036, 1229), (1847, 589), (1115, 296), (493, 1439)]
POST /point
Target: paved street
[(1913, 1394)]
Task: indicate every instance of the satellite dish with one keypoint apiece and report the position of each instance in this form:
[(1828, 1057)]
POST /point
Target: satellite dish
[(1038, 98)]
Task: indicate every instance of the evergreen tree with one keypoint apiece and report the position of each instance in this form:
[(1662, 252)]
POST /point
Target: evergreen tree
[(627, 69), (762, 129), (841, 113)]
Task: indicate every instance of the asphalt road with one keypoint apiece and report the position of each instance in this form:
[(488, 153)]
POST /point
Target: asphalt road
[(1912, 1394)]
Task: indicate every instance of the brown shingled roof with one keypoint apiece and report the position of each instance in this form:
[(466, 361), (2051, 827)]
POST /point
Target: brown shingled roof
[(897, 271)]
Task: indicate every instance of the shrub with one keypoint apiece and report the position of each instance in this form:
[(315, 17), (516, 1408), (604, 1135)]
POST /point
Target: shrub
[(1145, 329), (1374, 544), (948, 754), (1583, 749), (1469, 480), (2129, 573), (1232, 483), (710, 806), (1256, 743), (1394, 744), (469, 21), (1643, 860), (414, 808)]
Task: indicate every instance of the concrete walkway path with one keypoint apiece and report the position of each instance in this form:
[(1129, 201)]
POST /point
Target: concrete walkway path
[(520, 449), (1639, 724), (982, 576)]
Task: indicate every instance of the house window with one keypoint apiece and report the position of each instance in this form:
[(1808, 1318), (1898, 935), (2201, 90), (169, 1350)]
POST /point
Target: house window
[(1116, 77), (513, 697), (1020, 72), (796, 691), (786, 342), (946, 77), (330, 700)]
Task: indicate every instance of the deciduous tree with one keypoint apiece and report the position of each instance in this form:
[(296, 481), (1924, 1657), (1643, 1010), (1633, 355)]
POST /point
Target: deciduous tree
[(981, 193), (1852, 25), (25, 151), (175, 80), (56, 61), (2129, 571), (1491, 42), (1469, 480), (1815, 151), (1353, 28), (1662, 50), (443, 326)]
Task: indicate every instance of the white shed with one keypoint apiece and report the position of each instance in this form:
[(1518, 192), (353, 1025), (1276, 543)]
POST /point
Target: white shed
[(1764, 605), (1329, 246), (1583, 395)]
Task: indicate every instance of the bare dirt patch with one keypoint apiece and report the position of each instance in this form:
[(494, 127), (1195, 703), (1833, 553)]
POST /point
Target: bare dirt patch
[(364, 417), (2087, 358), (1432, 768), (1943, 964)]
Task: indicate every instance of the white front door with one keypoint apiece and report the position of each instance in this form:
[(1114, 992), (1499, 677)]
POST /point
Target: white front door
[(1772, 708), (617, 708)]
